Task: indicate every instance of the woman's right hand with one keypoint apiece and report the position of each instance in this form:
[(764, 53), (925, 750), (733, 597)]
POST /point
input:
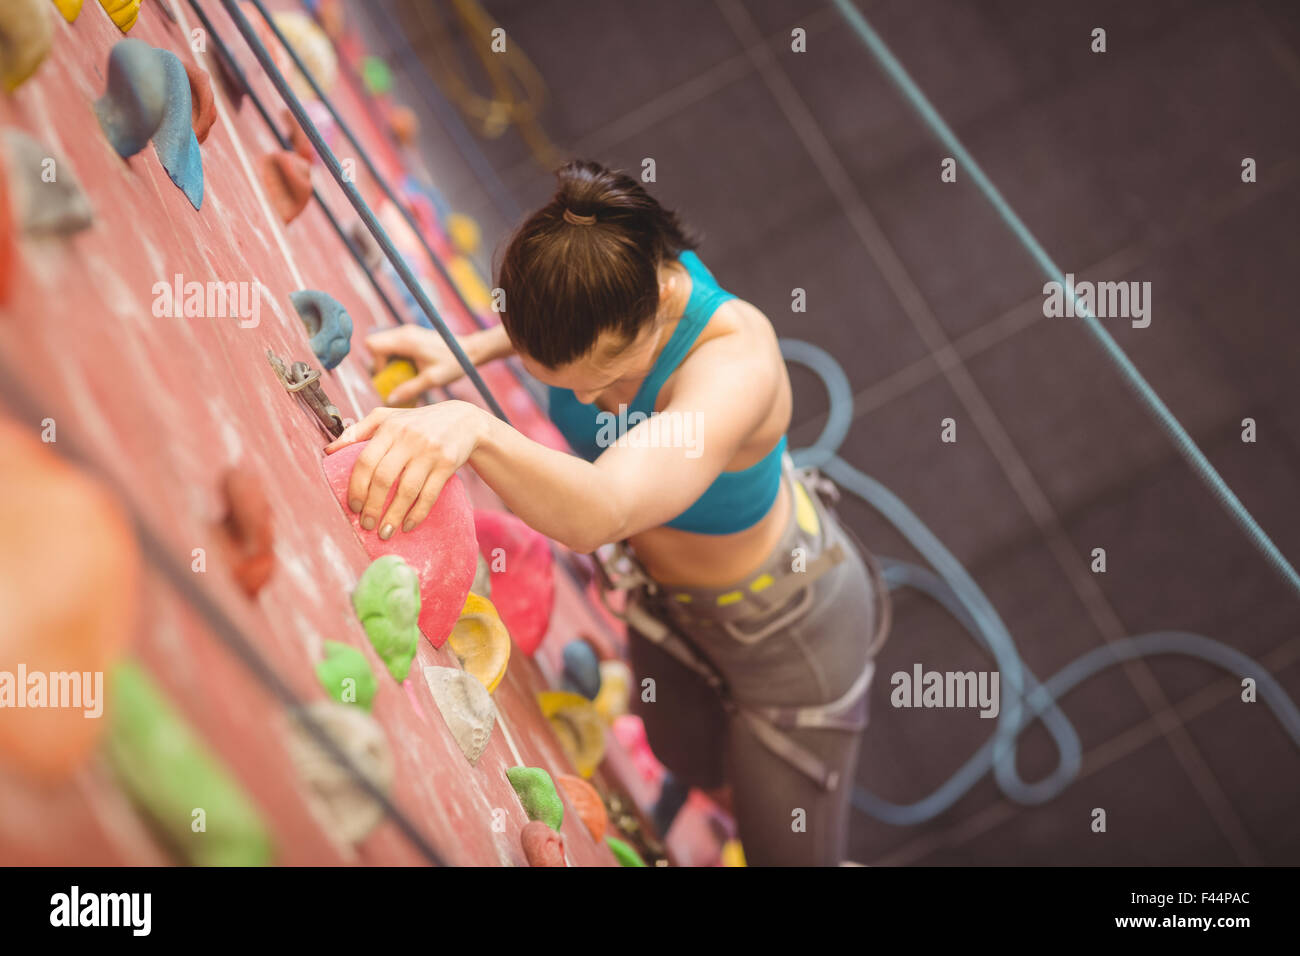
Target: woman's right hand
[(435, 366)]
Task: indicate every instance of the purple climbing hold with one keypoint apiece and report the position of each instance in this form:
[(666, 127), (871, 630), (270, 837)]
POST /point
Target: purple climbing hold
[(148, 97), (328, 324)]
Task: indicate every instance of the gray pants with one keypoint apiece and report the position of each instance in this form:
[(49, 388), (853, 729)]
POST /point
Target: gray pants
[(811, 649)]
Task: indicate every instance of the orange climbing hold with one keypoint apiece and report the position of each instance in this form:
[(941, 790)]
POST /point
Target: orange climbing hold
[(586, 800), (287, 177), (203, 105), (404, 124), (69, 584), (298, 140), (246, 532)]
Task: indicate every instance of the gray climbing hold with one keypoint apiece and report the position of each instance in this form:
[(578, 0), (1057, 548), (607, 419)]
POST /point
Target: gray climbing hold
[(48, 198), (339, 801), (328, 324), (581, 670), (465, 705), (482, 585)]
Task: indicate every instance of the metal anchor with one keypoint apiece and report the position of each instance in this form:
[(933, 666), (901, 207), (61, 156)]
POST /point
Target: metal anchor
[(304, 381)]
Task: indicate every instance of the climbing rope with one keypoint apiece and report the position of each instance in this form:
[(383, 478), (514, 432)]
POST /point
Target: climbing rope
[(1132, 377), (954, 589)]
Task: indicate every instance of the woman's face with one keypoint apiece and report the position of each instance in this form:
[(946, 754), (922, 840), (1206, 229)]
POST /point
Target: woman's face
[(613, 364)]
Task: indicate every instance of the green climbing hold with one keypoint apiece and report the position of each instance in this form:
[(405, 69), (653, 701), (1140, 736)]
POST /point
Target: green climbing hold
[(176, 780), (537, 793), (346, 674), (623, 852), (387, 600), (376, 75)]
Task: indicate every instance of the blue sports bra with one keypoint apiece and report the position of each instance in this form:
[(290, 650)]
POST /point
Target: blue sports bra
[(737, 499)]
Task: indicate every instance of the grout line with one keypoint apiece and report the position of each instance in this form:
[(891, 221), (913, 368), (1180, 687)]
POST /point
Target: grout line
[(986, 422), (1099, 758)]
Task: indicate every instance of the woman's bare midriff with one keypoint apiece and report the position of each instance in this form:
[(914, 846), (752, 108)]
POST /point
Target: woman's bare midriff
[(685, 559)]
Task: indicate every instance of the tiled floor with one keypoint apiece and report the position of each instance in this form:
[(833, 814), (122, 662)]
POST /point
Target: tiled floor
[(1127, 167)]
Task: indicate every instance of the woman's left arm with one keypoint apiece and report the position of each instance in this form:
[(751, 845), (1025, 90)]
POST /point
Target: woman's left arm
[(719, 398)]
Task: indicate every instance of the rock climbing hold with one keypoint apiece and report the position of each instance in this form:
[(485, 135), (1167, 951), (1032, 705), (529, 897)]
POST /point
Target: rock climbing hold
[(387, 601), (542, 845), (44, 204), (246, 531), (203, 105), (465, 705), (623, 852), (392, 375), (287, 178), (169, 772), (733, 854), (523, 576), (69, 587), (340, 802), (70, 9), (577, 726), (586, 800), (464, 232), (328, 323), (405, 124), (148, 97), (481, 641), (537, 793), (376, 76), (25, 37), (581, 670), (124, 13), (465, 274), (615, 690), (482, 585), (346, 674), (441, 550)]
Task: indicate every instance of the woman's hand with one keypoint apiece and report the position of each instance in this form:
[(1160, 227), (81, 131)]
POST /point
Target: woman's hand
[(436, 367), (417, 449)]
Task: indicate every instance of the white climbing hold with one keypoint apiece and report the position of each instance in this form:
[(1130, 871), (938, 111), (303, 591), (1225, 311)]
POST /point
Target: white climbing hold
[(48, 198), (465, 705)]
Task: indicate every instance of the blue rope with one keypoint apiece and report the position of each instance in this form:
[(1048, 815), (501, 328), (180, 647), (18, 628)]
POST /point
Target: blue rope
[(1182, 441)]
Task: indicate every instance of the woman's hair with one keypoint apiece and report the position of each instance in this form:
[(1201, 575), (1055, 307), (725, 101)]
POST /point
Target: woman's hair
[(567, 279)]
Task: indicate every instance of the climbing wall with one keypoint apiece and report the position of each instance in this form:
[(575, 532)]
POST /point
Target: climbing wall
[(166, 405)]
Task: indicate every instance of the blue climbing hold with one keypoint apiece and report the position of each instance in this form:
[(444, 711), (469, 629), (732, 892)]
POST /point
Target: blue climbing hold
[(328, 324), (581, 670), (148, 97)]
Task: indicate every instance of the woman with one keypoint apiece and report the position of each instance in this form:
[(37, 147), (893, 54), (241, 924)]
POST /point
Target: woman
[(751, 617)]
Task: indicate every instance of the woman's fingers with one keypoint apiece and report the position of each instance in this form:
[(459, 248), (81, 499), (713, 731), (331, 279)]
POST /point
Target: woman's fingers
[(361, 430), (427, 498), (413, 388), (417, 474), (363, 470)]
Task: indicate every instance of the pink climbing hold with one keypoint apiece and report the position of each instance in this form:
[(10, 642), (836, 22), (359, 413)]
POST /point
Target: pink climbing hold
[(523, 575), (542, 845), (442, 549)]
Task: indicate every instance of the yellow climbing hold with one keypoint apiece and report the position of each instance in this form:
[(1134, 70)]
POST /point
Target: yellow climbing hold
[(615, 690), (392, 375), (122, 12), (464, 232), (466, 277), (70, 9), (25, 37), (578, 726), (732, 854), (481, 641)]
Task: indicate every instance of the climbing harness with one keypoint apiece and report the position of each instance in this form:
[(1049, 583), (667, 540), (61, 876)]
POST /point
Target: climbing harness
[(302, 380), (778, 603)]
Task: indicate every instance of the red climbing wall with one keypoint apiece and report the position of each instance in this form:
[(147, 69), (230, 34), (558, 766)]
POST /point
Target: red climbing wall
[(168, 404)]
